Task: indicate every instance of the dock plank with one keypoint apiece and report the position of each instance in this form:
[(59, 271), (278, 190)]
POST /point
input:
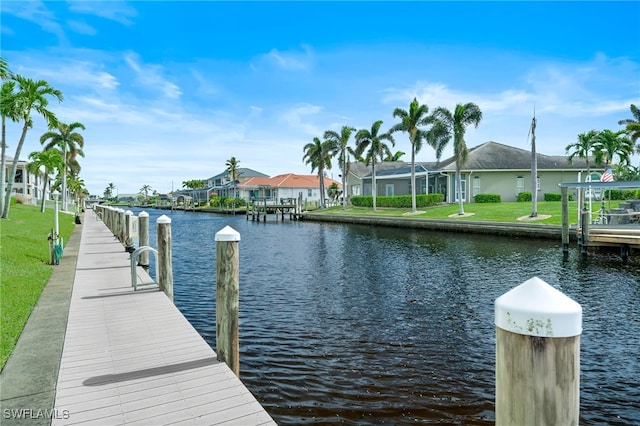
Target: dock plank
[(133, 358)]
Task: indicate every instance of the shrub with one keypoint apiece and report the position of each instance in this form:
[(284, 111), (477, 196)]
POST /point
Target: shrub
[(487, 198), (637, 194), (524, 196), (399, 201), (552, 196)]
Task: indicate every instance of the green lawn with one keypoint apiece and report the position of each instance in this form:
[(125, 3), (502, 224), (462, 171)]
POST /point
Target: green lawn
[(24, 269), (491, 212)]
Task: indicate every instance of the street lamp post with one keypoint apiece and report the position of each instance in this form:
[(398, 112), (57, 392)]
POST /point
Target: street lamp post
[(56, 229)]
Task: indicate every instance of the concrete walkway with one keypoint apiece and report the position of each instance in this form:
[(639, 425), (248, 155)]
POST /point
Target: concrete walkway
[(132, 358)]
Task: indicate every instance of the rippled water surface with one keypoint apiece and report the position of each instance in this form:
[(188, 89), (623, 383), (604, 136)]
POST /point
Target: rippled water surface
[(349, 324)]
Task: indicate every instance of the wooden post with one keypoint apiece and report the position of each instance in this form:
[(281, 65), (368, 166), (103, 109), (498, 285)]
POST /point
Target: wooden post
[(537, 356), (227, 298), (584, 227), (143, 239), (165, 266), (565, 219), (129, 245)]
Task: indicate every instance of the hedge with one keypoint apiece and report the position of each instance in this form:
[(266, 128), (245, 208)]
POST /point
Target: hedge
[(399, 201), (487, 198), (524, 196)]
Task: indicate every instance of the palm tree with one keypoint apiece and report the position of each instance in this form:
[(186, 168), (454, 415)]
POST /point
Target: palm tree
[(232, 168), (70, 143), (632, 125), (108, 192), (5, 72), (609, 144), (395, 156), (145, 191), (50, 160), (411, 122), (8, 110), (341, 140), (318, 154), (31, 96), (373, 143), (582, 148), (456, 124)]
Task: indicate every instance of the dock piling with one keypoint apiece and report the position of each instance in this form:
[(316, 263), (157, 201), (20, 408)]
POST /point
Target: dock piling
[(165, 266), (537, 356), (143, 238), (227, 298)]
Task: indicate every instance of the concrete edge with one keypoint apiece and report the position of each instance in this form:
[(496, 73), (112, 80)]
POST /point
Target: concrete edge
[(29, 378)]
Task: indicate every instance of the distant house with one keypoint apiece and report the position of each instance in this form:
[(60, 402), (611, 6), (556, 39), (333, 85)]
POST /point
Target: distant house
[(490, 168), (283, 187), (25, 184)]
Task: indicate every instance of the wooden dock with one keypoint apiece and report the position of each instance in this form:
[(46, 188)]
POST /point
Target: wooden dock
[(130, 357)]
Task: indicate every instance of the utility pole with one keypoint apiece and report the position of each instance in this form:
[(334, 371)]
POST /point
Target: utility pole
[(534, 168)]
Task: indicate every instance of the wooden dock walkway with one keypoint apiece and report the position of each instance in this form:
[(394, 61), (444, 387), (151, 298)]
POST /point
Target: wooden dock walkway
[(131, 358)]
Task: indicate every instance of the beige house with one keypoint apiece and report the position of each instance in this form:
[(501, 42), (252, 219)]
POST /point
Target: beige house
[(491, 168), (281, 187)]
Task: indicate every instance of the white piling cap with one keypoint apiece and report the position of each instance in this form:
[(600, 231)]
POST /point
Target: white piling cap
[(227, 234), (163, 219), (534, 308), (128, 212), (143, 214)]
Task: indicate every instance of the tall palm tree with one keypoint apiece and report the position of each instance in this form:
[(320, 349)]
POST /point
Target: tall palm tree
[(70, 143), (341, 140), (8, 110), (232, 168), (456, 124), (108, 191), (145, 191), (632, 125), (49, 160), (583, 148), (609, 144), (413, 122), (31, 96), (372, 142), (318, 154)]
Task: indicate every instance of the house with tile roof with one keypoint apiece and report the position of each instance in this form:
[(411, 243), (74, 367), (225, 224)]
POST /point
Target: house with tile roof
[(283, 187), (491, 167)]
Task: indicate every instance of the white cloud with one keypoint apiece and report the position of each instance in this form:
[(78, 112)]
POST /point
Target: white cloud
[(37, 12), (81, 27), (118, 11), (289, 60), (151, 77), (78, 73)]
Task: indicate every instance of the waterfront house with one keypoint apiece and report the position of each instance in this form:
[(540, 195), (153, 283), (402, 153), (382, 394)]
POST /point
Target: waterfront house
[(491, 167), (284, 187), (26, 185)]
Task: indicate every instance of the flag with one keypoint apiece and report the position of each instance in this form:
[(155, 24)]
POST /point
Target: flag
[(606, 176)]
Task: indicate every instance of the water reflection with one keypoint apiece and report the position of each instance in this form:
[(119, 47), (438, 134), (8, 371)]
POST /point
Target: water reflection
[(362, 325)]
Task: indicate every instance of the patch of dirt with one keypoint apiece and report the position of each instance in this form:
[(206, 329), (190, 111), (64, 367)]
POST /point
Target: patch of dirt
[(461, 215), (412, 213), (539, 217)]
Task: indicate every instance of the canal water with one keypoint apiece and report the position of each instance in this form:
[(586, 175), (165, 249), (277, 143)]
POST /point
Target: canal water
[(351, 324)]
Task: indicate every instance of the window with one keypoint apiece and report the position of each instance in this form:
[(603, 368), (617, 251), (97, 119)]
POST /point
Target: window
[(519, 184), (355, 189), (18, 178), (476, 185), (389, 190), (309, 192)]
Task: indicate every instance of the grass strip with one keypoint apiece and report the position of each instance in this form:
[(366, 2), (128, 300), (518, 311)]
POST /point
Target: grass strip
[(24, 268), (489, 212)]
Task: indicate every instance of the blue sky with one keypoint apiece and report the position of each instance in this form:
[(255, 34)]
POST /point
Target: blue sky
[(170, 90)]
